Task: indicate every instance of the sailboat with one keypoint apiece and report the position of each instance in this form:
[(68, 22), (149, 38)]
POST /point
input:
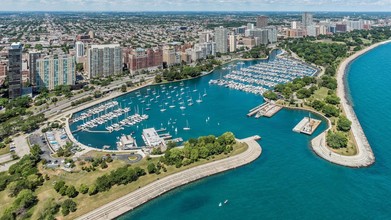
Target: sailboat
[(199, 100), (163, 109), (195, 89), (205, 94), (187, 128)]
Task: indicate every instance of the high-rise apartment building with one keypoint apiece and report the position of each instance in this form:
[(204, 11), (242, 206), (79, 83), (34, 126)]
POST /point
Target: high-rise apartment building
[(79, 49), (169, 55), (250, 26), (54, 71), (15, 70), (307, 19), (232, 43), (104, 60), (33, 57), (221, 39), (138, 59), (271, 34), (262, 21), (205, 37)]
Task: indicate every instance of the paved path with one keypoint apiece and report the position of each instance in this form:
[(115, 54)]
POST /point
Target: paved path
[(365, 156), (159, 187)]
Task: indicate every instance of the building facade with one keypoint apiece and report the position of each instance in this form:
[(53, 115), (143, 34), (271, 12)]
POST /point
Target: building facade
[(54, 71), (262, 21), (307, 19), (232, 43), (79, 49), (33, 57), (15, 70), (104, 60), (139, 59), (221, 39)]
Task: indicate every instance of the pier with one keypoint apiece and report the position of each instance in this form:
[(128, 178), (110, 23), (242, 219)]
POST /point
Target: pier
[(266, 109), (307, 126)]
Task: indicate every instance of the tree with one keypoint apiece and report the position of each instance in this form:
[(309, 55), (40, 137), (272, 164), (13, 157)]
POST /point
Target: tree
[(330, 110), (270, 95), (336, 140), (92, 190), (344, 124), (333, 99), (151, 168), (317, 104), (71, 192), (58, 185), (123, 88), (158, 79), (68, 206), (103, 165), (83, 188)]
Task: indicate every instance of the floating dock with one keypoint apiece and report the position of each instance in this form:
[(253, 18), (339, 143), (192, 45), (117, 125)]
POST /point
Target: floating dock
[(307, 126), (266, 109)]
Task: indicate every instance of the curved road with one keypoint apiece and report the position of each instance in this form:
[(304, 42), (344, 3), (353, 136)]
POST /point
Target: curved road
[(159, 187)]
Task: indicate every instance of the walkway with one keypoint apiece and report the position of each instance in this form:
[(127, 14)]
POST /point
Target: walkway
[(159, 187)]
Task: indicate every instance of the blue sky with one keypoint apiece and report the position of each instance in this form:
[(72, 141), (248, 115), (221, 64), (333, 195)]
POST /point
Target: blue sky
[(195, 5)]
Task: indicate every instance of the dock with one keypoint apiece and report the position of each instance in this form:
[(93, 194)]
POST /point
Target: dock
[(307, 126), (266, 109)]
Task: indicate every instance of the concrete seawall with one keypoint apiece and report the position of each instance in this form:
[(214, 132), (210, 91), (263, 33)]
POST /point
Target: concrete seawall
[(132, 200)]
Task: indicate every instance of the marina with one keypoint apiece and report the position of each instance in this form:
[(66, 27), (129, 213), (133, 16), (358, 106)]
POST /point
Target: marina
[(264, 76)]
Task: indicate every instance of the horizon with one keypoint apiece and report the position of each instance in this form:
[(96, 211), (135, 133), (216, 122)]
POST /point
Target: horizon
[(358, 6)]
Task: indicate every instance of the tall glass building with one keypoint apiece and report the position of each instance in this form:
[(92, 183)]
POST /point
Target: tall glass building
[(15, 70)]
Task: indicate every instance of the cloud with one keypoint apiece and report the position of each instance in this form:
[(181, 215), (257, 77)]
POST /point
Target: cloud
[(191, 5)]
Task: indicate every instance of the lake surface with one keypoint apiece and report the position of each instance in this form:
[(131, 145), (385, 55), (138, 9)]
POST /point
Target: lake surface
[(289, 181)]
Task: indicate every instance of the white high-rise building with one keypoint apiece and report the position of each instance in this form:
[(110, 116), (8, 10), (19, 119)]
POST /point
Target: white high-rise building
[(250, 26), (79, 49), (294, 25), (104, 60), (272, 34), (232, 43), (221, 39)]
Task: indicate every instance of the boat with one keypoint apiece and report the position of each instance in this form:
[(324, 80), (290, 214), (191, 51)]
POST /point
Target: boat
[(187, 128), (205, 94), (199, 100), (226, 201), (220, 204)]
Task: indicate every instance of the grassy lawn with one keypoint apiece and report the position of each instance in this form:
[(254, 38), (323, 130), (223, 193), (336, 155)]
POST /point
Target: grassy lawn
[(5, 150), (86, 203), (321, 93)]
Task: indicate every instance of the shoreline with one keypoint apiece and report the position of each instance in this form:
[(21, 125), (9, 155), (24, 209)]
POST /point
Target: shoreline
[(364, 156), (119, 94), (155, 189)]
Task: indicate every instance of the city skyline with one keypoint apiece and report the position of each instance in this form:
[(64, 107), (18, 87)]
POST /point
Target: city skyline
[(197, 5)]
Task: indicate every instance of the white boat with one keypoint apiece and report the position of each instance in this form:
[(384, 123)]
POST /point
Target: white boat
[(187, 128), (199, 100), (205, 94)]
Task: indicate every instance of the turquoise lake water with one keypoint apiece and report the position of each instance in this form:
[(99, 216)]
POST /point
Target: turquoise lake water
[(288, 181)]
